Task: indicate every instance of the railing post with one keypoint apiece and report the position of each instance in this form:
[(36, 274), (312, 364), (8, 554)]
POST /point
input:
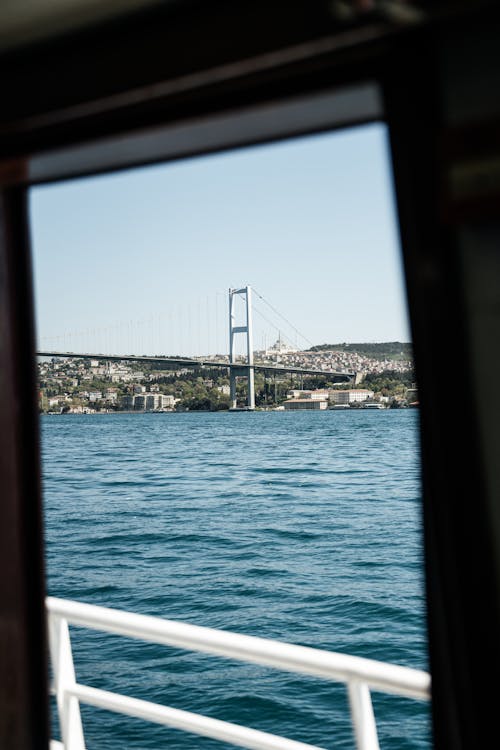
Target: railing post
[(363, 718), (64, 678)]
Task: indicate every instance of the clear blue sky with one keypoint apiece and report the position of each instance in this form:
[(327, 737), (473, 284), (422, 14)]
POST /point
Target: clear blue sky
[(141, 261)]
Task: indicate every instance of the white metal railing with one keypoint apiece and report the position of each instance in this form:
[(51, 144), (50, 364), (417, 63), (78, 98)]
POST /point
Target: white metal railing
[(360, 675)]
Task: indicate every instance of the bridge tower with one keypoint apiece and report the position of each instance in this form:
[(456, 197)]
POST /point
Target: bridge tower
[(246, 369)]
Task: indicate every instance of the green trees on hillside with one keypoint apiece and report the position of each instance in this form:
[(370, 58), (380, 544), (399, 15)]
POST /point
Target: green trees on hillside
[(384, 350), (390, 382)]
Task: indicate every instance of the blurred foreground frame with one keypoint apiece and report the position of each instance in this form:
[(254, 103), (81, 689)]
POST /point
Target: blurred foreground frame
[(91, 90)]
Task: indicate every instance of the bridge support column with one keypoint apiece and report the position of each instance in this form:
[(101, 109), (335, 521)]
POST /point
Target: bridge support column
[(245, 369)]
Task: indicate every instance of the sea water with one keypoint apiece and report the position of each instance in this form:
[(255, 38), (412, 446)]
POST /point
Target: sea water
[(304, 527)]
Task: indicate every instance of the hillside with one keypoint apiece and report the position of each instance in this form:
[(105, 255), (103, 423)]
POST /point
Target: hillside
[(395, 350)]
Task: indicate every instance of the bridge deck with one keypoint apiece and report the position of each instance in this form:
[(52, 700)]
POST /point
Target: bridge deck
[(192, 362)]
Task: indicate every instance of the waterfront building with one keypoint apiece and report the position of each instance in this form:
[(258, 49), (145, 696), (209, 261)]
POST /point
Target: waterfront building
[(140, 402), (128, 401), (152, 401), (167, 401), (315, 395), (305, 403), (350, 396)]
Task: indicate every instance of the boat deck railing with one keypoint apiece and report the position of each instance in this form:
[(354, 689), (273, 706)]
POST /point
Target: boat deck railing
[(358, 674)]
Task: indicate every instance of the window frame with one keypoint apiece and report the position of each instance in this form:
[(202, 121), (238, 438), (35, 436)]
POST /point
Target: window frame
[(44, 145)]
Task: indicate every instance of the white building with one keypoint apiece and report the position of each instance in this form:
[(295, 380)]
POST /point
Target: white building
[(120, 374), (167, 401), (293, 404), (316, 395), (350, 396), (153, 401), (280, 347)]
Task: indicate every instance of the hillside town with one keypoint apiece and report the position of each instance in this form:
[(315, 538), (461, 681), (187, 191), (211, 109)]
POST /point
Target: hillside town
[(334, 359), (88, 386)]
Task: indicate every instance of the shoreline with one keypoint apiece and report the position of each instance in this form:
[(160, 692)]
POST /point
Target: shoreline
[(219, 411)]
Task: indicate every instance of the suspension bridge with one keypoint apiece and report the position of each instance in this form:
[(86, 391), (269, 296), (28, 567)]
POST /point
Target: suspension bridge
[(239, 366)]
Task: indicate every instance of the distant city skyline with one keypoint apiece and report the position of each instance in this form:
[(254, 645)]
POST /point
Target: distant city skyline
[(141, 262)]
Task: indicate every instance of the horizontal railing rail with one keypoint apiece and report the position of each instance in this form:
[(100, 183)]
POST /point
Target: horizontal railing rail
[(359, 674)]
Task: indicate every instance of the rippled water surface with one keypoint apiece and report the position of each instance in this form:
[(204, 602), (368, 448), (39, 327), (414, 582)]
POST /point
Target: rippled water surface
[(300, 526)]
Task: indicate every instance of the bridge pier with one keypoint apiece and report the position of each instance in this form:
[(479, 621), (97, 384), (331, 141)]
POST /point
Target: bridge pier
[(247, 372)]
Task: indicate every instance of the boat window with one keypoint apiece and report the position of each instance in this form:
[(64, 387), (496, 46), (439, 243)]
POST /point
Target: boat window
[(229, 425)]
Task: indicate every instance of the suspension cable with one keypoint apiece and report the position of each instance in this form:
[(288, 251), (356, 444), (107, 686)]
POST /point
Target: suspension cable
[(283, 317), (269, 322)]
